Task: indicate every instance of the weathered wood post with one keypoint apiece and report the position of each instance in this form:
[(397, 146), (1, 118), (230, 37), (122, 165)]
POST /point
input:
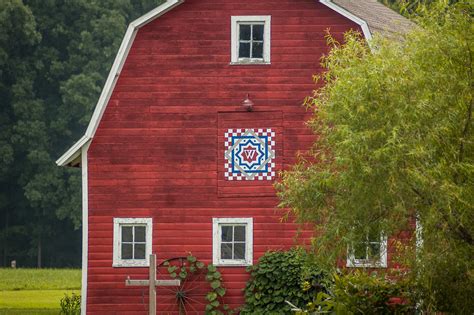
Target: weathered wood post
[(152, 283)]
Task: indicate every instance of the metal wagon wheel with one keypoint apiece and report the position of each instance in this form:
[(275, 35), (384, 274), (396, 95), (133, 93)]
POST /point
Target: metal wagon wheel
[(190, 297)]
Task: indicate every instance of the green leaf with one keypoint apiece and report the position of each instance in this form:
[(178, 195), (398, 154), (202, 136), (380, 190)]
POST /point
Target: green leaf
[(211, 296), (215, 284), (200, 264), (220, 291), (183, 275)]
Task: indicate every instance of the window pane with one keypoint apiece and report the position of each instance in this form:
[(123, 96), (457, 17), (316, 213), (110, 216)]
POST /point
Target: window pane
[(244, 50), (239, 233), (257, 32), (239, 251), (226, 251), (139, 251), (360, 251), (227, 233), (140, 233), (244, 32), (374, 250), (127, 251), (257, 50), (127, 235)]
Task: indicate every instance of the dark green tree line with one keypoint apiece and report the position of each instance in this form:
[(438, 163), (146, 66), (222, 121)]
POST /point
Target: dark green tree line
[(54, 58)]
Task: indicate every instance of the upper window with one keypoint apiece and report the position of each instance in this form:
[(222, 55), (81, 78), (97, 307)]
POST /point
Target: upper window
[(132, 242), (251, 39), (370, 253), (232, 241)]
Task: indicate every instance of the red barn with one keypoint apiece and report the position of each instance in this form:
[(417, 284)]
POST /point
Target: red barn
[(173, 163)]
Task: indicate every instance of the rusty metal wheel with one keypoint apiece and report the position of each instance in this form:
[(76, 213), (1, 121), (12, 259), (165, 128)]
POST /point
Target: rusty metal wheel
[(190, 297)]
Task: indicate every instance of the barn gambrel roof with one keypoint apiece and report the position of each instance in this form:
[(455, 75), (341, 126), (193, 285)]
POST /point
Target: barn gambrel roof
[(370, 15)]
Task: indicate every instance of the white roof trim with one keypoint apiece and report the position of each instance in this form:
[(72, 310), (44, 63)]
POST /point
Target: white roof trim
[(75, 151), (363, 24)]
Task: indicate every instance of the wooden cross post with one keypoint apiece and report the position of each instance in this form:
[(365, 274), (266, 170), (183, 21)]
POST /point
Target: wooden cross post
[(152, 284)]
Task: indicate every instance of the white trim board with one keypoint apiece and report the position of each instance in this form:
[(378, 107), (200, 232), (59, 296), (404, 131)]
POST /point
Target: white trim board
[(216, 242), (73, 153), (363, 24), (117, 261), (85, 227), (352, 262), (112, 79), (266, 20)]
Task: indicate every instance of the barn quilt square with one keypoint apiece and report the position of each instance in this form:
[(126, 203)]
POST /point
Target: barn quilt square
[(249, 154)]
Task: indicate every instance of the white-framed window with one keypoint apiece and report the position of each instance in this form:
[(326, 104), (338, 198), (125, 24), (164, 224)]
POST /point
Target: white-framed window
[(250, 39), (232, 241), (132, 242), (370, 253)]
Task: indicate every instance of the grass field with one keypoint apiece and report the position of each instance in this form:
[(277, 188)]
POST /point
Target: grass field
[(36, 291)]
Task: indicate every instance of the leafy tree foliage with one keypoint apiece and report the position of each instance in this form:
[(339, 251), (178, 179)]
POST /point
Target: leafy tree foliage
[(408, 7), (54, 57), (395, 143)]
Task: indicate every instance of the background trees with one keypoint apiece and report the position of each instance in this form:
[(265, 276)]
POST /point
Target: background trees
[(54, 57), (395, 144)]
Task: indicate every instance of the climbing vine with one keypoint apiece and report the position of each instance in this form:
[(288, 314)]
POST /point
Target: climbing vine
[(215, 296)]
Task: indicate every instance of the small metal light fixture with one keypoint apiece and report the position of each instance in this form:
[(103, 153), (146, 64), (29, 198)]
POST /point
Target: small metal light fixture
[(247, 103)]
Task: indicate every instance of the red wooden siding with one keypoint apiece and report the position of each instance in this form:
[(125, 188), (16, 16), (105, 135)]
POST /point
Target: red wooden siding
[(158, 151)]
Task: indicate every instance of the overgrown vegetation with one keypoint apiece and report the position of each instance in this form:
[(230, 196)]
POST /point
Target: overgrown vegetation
[(70, 305), (282, 276), (409, 7), (395, 144), (362, 293)]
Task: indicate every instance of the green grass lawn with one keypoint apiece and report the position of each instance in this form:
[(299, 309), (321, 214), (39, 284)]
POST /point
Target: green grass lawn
[(40, 279), (36, 291)]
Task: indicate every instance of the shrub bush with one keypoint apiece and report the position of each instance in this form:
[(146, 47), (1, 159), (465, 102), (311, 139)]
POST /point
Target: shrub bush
[(70, 305), (282, 276), (363, 293)]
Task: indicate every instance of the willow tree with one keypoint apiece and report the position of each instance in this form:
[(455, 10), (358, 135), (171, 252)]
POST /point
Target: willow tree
[(395, 144)]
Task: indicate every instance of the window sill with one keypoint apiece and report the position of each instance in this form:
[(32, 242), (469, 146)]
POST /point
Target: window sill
[(250, 63), (138, 264), (355, 264), (229, 264)]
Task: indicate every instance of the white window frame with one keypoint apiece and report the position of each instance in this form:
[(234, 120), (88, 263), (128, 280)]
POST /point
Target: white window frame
[(258, 19), (352, 262), (117, 251), (217, 223)]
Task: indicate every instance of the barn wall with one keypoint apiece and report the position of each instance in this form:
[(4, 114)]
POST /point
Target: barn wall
[(157, 150)]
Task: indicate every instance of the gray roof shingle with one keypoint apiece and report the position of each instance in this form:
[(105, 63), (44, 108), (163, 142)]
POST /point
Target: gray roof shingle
[(379, 18)]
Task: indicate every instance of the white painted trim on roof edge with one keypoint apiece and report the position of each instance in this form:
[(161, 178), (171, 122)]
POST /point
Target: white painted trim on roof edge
[(85, 227), (74, 152), (363, 24), (114, 74)]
